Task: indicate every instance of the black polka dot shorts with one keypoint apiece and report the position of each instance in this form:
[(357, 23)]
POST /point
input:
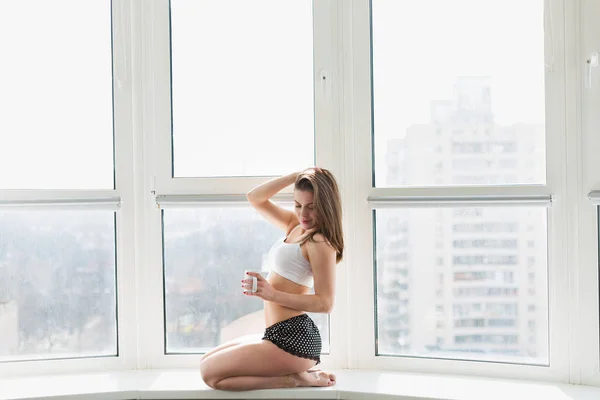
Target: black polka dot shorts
[(298, 336)]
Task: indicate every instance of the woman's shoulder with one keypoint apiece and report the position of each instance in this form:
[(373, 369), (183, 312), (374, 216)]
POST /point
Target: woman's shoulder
[(319, 238), (320, 241), (319, 249)]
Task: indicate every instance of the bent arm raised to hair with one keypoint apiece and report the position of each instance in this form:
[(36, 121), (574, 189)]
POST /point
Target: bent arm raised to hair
[(259, 199), (270, 188)]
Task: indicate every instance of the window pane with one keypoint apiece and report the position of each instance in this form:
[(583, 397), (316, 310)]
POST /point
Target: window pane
[(56, 95), (242, 104), (463, 283), (57, 284), (463, 104), (206, 251)]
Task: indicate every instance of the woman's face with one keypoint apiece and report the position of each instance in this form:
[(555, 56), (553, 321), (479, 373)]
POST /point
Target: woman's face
[(305, 210)]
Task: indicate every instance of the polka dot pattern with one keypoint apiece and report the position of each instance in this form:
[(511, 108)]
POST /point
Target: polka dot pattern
[(298, 336)]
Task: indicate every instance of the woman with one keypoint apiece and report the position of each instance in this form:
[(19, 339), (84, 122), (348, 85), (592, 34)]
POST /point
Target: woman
[(313, 245)]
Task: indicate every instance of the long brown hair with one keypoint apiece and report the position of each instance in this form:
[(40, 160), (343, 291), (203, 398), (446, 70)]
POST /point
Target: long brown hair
[(328, 205)]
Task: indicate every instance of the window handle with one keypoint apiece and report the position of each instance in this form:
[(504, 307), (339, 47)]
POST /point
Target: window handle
[(592, 62)]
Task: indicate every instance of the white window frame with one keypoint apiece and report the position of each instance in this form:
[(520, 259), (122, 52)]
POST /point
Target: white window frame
[(121, 200), (343, 144), (357, 122), (214, 191), (586, 324)]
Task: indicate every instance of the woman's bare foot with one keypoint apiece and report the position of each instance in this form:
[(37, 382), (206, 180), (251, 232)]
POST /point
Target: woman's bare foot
[(312, 378), (331, 376)]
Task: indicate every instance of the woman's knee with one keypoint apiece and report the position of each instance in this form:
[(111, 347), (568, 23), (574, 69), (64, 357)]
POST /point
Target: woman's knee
[(207, 374)]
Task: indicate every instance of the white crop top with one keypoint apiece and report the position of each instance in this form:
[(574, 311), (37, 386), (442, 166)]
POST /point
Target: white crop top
[(286, 259)]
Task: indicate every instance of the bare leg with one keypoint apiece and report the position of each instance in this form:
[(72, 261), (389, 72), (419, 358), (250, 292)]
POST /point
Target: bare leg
[(258, 366), (234, 342), (302, 379)]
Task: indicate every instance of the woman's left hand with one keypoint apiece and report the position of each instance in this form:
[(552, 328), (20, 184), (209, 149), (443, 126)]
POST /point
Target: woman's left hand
[(264, 290)]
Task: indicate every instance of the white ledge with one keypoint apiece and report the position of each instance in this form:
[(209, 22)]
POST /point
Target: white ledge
[(352, 384)]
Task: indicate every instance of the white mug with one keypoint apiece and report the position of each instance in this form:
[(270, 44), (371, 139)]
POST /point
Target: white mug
[(254, 279)]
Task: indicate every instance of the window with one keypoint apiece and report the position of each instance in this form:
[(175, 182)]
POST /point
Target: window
[(60, 222), (489, 243), (474, 275), (57, 285), (492, 281), (485, 260), (488, 206), (413, 101), (464, 323), (496, 227), (59, 120), (501, 322), (206, 251), (467, 212), (501, 309), (243, 108), (243, 104)]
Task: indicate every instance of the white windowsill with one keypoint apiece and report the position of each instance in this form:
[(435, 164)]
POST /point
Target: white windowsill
[(352, 384)]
